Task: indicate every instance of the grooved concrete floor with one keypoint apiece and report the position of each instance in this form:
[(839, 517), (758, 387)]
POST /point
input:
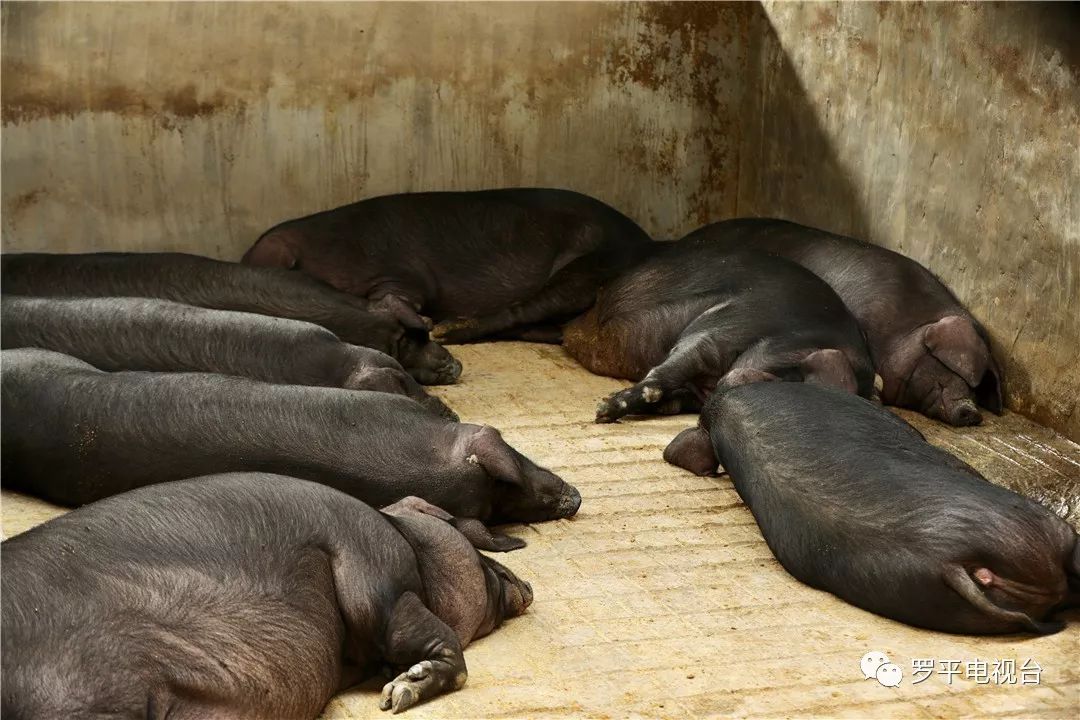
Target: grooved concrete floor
[(660, 599)]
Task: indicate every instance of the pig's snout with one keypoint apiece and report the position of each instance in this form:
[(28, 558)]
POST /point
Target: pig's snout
[(450, 371), (963, 413), (526, 592), (568, 503), (445, 372)]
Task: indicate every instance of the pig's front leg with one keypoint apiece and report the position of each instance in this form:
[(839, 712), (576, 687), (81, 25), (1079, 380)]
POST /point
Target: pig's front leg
[(417, 639), (676, 385)]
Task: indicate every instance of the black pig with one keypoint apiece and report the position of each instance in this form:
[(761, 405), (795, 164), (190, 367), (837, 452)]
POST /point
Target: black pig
[(691, 314), (73, 434), (240, 596), (510, 262), (209, 283), (150, 334), (852, 500), (931, 354)]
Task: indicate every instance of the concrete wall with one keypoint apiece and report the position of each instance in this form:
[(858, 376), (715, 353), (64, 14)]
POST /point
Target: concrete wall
[(197, 125), (949, 132)]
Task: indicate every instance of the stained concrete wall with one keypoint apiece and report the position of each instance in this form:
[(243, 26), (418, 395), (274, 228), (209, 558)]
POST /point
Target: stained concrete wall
[(946, 131), (197, 125)]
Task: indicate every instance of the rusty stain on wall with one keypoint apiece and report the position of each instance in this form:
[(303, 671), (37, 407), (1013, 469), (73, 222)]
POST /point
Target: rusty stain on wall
[(197, 125)]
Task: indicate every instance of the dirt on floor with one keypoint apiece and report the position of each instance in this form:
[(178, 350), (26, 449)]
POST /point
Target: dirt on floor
[(660, 599)]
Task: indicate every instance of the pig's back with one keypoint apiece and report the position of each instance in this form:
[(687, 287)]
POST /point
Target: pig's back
[(131, 333), (73, 434), (867, 277), (822, 469)]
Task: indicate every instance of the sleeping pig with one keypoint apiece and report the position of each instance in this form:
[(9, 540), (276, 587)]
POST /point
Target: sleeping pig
[(510, 262), (852, 500), (149, 334), (692, 314), (240, 596), (72, 434), (209, 283), (931, 354)]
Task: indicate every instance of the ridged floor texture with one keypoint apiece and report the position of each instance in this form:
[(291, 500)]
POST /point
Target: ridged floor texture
[(660, 599)]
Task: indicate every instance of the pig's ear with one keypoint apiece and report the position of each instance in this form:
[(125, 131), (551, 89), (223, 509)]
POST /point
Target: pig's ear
[(488, 450), (954, 342), (692, 450), (411, 503), (405, 313)]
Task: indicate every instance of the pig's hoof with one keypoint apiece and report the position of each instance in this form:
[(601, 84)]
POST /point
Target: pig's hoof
[(418, 682), (403, 692), (608, 411)]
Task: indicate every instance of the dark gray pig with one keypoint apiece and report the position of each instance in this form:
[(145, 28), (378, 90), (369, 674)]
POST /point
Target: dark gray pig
[(72, 434), (852, 500), (209, 283), (692, 314), (932, 355), (511, 262), (240, 596), (150, 334)]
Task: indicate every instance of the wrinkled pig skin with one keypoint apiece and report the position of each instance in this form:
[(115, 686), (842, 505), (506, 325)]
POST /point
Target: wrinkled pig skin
[(851, 499), (204, 282), (159, 335), (240, 596), (693, 315), (73, 434), (931, 354), (507, 263)]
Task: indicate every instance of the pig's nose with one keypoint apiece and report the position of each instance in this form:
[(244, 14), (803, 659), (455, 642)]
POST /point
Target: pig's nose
[(526, 593), (569, 503), (450, 371), (965, 413)]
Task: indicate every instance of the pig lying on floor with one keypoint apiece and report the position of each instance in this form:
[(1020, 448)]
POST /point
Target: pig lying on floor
[(692, 314), (73, 434), (201, 281), (931, 354), (240, 596), (125, 333), (851, 499), (512, 262)]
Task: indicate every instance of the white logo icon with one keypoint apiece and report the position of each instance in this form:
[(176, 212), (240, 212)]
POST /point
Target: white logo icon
[(889, 675), (876, 665), (871, 661)]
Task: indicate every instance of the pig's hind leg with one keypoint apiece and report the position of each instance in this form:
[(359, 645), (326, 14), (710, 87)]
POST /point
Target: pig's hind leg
[(679, 384), (569, 292), (420, 641)]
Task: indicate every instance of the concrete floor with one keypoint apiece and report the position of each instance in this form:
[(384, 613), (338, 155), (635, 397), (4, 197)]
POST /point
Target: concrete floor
[(660, 599)]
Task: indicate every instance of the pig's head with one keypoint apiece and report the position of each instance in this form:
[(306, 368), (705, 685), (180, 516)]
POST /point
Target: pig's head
[(469, 591), (411, 343), (946, 370), (523, 491)]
